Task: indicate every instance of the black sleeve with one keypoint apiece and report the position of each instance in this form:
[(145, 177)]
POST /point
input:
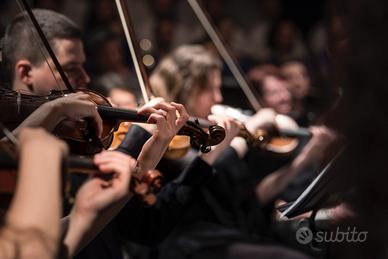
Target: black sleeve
[(149, 225), (134, 141), (237, 179)]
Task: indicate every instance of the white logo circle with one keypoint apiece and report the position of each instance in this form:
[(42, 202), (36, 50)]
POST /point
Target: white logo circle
[(304, 235)]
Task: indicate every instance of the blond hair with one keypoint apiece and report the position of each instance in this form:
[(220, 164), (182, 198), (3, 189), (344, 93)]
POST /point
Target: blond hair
[(183, 72)]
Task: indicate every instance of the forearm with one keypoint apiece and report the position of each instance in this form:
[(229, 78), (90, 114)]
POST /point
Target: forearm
[(37, 201), (47, 116), (82, 229), (134, 141), (151, 153), (276, 182), (240, 146)]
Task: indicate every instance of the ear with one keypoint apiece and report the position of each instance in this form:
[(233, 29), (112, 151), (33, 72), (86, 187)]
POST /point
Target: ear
[(23, 72)]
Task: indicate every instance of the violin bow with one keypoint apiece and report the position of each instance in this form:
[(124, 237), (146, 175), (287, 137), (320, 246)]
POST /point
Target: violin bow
[(12, 139), (9, 135), (134, 49), (224, 51)]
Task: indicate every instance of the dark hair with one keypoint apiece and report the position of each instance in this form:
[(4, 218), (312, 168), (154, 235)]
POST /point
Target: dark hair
[(110, 81), (257, 75), (21, 43)]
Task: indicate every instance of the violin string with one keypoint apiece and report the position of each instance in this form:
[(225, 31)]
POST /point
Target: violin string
[(9, 135), (41, 49)]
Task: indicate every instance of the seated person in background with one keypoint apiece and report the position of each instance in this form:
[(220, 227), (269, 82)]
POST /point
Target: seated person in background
[(299, 85), (117, 89), (121, 95), (272, 88)]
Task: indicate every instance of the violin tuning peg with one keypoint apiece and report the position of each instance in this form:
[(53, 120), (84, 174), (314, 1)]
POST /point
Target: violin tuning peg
[(205, 149)]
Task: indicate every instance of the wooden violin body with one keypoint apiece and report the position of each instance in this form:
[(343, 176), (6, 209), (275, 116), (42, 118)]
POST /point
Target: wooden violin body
[(282, 138), (15, 107)]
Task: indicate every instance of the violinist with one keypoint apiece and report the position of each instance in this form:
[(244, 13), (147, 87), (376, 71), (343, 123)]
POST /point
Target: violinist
[(272, 88), (306, 98), (31, 227), (218, 225), (116, 88), (29, 73), (284, 90)]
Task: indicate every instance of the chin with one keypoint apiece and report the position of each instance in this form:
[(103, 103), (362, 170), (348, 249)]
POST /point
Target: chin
[(284, 110)]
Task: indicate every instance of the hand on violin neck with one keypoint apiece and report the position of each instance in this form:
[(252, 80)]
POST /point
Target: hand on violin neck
[(169, 118), (98, 201), (98, 194), (75, 107), (232, 128), (263, 118)]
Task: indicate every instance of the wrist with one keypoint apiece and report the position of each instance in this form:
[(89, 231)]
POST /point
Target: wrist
[(55, 109), (162, 139), (79, 226), (240, 145), (81, 221)]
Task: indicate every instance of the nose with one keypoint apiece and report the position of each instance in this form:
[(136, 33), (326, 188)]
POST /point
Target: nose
[(85, 76), (217, 95), (285, 95), (83, 79)]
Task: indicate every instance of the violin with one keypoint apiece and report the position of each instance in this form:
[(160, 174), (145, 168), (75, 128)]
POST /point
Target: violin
[(281, 139), (15, 107), (146, 186)]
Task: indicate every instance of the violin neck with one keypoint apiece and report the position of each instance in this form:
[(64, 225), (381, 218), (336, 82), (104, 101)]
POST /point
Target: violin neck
[(299, 133), (122, 115)]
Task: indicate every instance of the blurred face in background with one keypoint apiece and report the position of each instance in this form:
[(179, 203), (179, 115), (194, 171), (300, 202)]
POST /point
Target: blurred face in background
[(111, 56), (122, 98), (298, 79), (275, 94), (201, 101)]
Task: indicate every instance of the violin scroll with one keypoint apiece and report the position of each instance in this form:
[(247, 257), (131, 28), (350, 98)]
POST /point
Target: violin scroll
[(199, 138)]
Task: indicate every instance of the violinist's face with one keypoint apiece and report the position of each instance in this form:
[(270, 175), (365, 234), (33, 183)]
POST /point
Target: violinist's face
[(39, 79), (298, 78), (200, 104), (276, 95)]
